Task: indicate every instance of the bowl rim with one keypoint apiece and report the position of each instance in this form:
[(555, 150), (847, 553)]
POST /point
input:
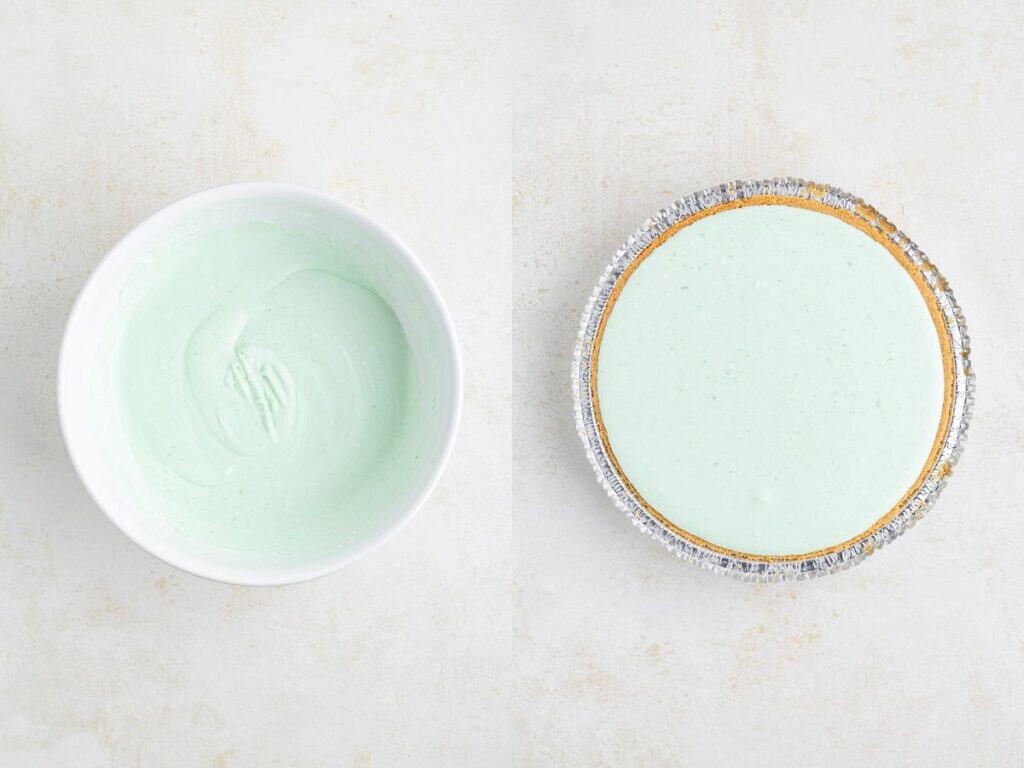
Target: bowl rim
[(205, 567)]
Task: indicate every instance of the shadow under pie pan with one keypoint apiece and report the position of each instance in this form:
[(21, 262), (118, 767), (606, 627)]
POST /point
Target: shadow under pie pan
[(772, 380)]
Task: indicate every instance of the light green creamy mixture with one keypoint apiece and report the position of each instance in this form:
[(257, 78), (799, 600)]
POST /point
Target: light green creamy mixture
[(257, 395), (771, 380)]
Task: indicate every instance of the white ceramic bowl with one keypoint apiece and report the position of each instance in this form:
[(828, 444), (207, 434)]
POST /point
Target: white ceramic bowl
[(402, 282)]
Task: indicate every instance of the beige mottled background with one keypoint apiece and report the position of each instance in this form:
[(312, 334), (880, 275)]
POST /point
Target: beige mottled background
[(519, 620)]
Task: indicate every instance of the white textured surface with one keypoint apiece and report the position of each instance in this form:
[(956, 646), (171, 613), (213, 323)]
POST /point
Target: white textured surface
[(519, 620)]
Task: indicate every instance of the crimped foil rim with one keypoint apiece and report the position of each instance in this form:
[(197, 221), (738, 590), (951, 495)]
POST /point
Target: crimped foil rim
[(749, 569)]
